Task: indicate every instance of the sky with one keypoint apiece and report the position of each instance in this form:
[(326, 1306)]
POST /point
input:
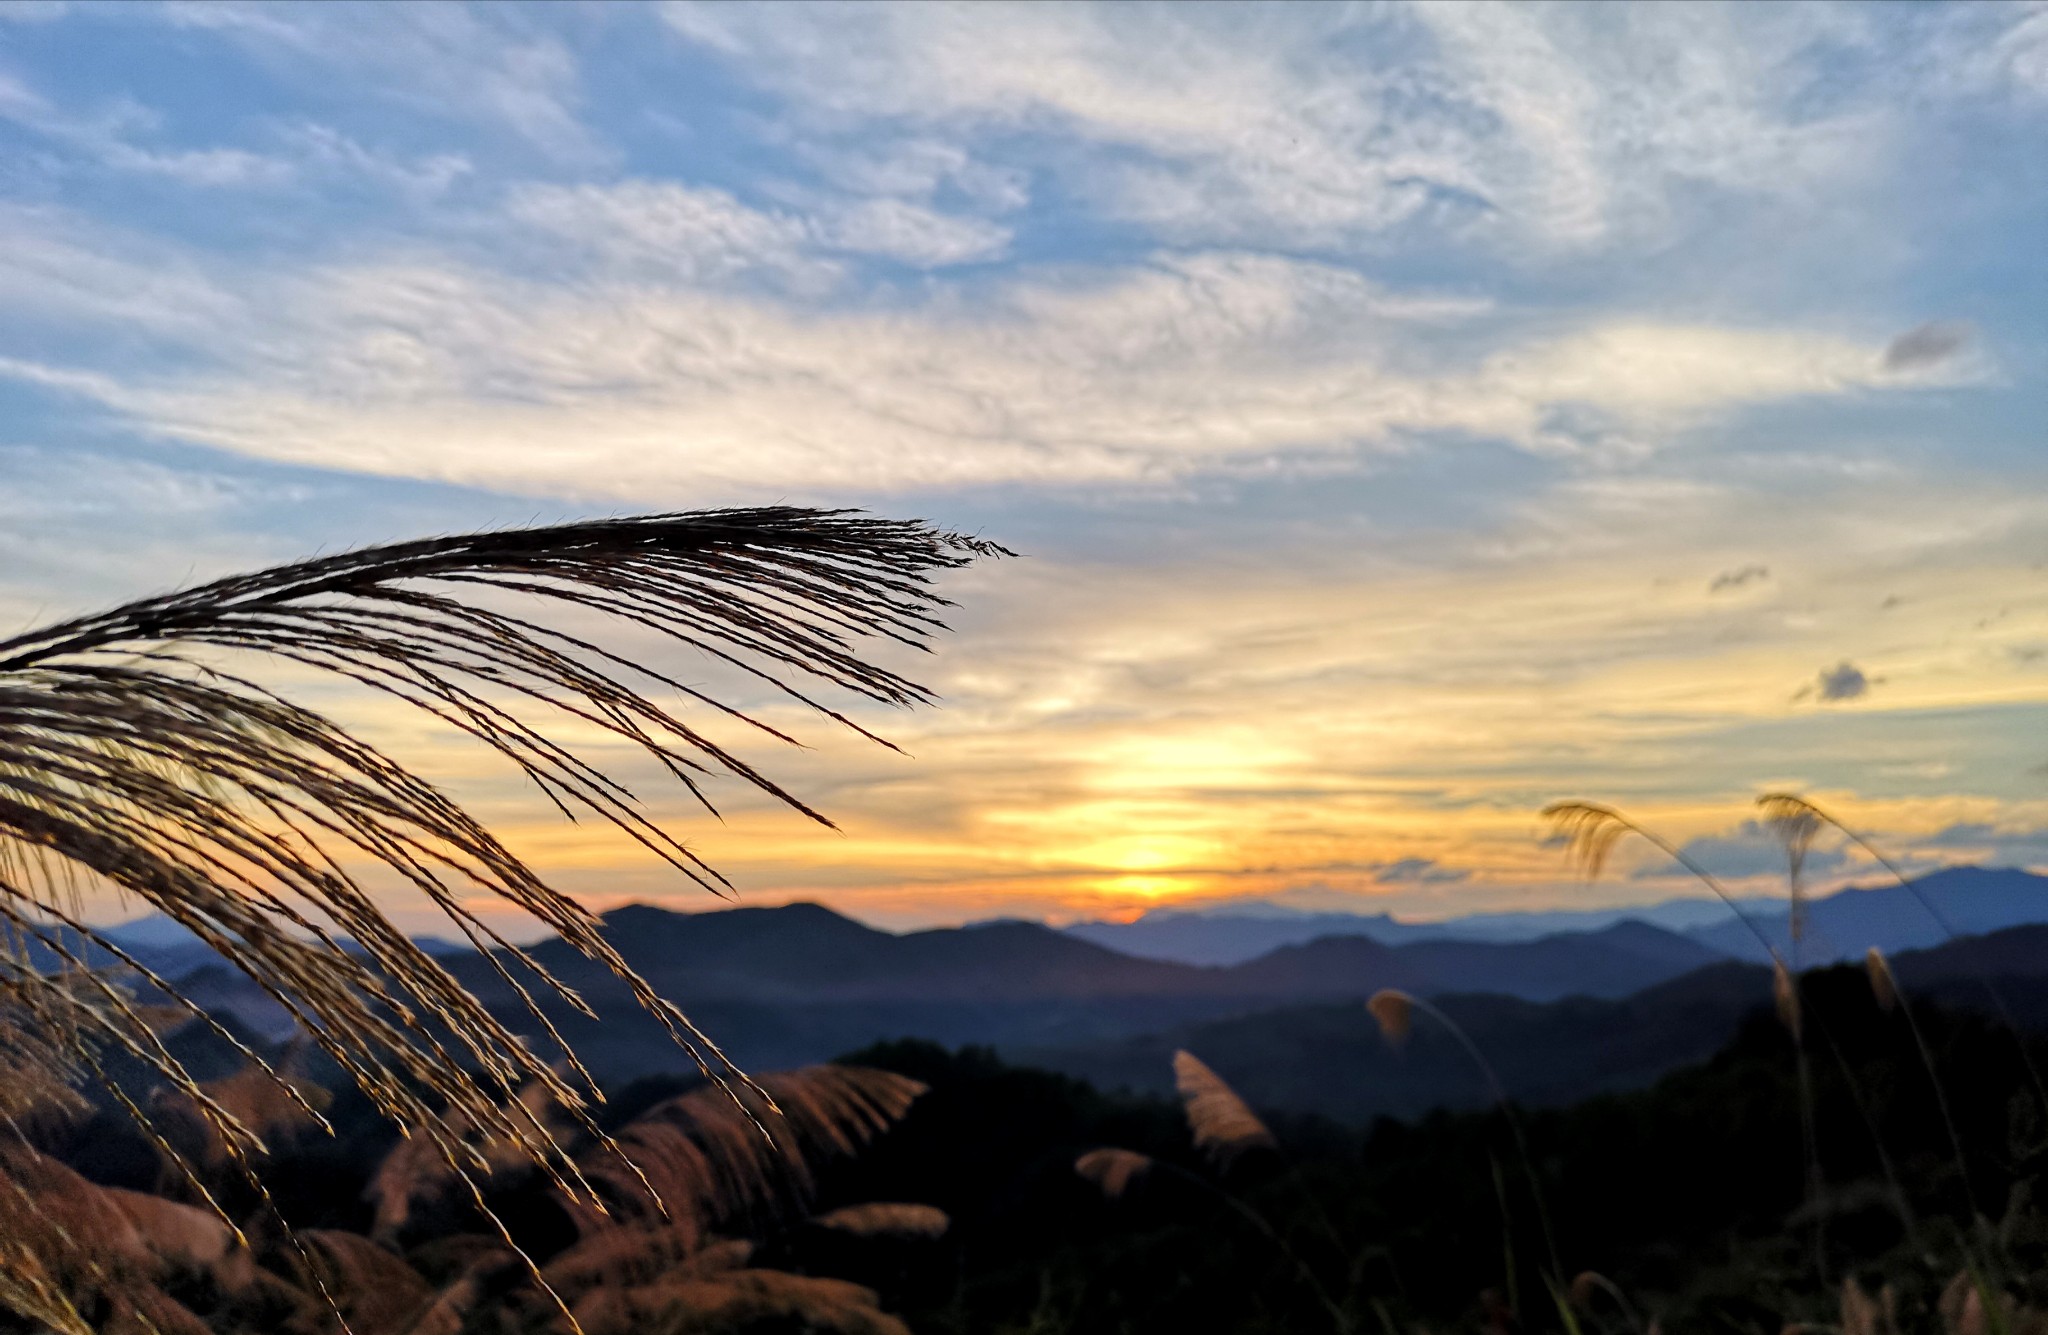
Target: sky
[(1404, 415)]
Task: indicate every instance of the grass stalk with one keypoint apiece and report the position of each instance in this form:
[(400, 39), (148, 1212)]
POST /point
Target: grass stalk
[(1389, 1007)]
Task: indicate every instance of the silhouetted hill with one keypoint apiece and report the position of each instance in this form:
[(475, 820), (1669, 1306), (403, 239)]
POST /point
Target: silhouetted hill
[(787, 985), (1843, 925), (1232, 938), (1331, 1059), (1610, 963), (808, 952), (1234, 933)]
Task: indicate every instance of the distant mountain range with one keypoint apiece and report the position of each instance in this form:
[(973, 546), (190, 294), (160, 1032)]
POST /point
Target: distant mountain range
[(1233, 932), (1332, 1059), (1840, 925), (784, 986), (801, 983)]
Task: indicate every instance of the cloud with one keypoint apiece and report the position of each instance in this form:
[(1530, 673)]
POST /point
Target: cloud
[(1983, 841), (481, 64), (1926, 345), (675, 232), (681, 234), (1740, 577), (1324, 125), (1843, 681), (677, 389), (1418, 871), (1964, 834), (122, 137), (108, 136), (915, 235), (1751, 849)]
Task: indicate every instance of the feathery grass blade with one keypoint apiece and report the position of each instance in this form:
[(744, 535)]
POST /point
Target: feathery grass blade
[(701, 1160), (1112, 1170), (1883, 986), (1224, 1125), (136, 754), (1394, 1010), (886, 1219), (1785, 995)]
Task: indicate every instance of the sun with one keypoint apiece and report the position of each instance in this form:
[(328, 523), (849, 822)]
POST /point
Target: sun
[(1150, 889)]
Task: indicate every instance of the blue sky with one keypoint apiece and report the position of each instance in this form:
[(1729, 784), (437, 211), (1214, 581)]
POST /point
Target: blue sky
[(1410, 413)]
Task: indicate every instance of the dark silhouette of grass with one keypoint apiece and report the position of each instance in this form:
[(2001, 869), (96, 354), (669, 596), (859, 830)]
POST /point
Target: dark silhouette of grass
[(136, 754)]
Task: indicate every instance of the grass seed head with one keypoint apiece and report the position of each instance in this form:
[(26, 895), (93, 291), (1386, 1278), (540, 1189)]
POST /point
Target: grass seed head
[(1785, 992), (1113, 1170), (1395, 1011), (1882, 984), (1224, 1125)]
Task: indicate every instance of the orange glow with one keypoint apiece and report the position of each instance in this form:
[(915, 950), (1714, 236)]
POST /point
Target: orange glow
[(1149, 888)]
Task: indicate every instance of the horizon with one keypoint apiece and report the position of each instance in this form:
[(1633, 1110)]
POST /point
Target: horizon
[(1407, 416), (1233, 909)]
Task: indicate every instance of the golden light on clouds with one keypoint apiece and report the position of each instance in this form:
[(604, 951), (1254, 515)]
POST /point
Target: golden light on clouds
[(1363, 737)]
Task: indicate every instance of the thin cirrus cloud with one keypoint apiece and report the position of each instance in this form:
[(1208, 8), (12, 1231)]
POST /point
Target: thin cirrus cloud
[(1321, 125), (674, 385), (673, 232)]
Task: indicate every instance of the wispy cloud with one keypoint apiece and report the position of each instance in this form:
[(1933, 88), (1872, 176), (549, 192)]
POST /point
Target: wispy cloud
[(1738, 578), (1322, 125), (674, 234), (487, 65), (1185, 365)]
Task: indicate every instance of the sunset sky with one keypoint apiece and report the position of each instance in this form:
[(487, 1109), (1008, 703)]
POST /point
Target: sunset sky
[(1405, 415)]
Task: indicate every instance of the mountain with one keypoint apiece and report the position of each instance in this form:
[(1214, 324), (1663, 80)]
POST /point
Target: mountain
[(800, 983), (1844, 923), (1614, 962), (1236, 932), (166, 947), (1973, 900), (161, 945), (1332, 1060)]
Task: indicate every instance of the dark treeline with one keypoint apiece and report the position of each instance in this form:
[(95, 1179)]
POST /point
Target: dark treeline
[(1691, 1197)]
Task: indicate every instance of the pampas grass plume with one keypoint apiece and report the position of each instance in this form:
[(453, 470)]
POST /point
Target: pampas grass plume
[(1882, 984), (1113, 1170), (1225, 1127), (1859, 1309), (1786, 993), (1395, 1011), (887, 1219)]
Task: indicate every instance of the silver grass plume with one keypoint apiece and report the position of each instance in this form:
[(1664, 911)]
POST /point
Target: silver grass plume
[(1223, 1124), (1883, 986), (137, 755), (1113, 1170)]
